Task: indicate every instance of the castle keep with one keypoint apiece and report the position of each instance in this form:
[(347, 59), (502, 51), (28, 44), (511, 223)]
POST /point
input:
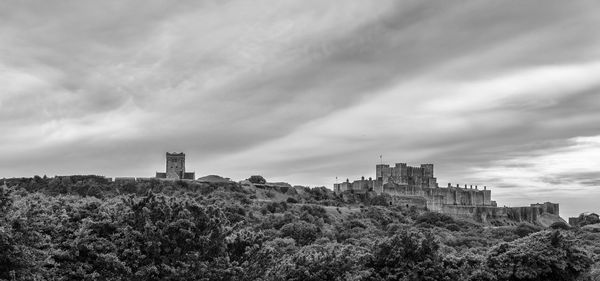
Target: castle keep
[(417, 186), (406, 175), (175, 168)]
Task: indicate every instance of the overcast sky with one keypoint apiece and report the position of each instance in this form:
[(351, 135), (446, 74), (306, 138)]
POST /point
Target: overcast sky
[(498, 93)]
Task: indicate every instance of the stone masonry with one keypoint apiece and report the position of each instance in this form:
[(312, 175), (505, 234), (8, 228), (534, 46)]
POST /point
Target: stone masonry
[(175, 168), (417, 186)]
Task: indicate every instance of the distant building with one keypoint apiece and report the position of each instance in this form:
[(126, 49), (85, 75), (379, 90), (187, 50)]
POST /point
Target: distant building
[(417, 186), (584, 218), (175, 168), (357, 186)]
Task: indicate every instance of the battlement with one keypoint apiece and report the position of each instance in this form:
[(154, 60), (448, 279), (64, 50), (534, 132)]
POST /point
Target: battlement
[(417, 186), (404, 180), (466, 186), (403, 174), (175, 167)]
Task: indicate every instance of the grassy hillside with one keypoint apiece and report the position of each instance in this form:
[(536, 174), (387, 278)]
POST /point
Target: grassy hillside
[(85, 228)]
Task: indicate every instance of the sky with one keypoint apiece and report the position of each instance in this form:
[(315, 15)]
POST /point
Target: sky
[(498, 93)]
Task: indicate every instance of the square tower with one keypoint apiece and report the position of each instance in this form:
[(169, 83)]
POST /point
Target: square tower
[(175, 167)]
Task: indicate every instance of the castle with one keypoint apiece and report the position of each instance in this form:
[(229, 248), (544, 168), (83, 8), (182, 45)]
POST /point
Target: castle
[(417, 186), (175, 168)]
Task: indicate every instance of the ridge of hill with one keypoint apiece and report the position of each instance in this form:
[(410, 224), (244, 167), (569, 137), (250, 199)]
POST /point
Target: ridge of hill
[(86, 227)]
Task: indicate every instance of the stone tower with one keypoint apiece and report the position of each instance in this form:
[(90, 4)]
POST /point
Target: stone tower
[(175, 167)]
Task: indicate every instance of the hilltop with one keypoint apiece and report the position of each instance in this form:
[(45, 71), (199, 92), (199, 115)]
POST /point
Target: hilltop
[(88, 227)]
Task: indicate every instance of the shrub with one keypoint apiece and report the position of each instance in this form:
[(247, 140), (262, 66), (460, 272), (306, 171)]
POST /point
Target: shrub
[(436, 219), (270, 194), (291, 200), (524, 229), (303, 232), (588, 218), (453, 227), (381, 200), (560, 225), (316, 211), (275, 207), (329, 261), (408, 255), (256, 179), (547, 255)]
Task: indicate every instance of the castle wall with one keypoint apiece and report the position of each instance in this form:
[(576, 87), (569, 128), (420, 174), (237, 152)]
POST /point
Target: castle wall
[(547, 207), (479, 213), (409, 201), (341, 187), (417, 186), (449, 196), (529, 214), (189, 176)]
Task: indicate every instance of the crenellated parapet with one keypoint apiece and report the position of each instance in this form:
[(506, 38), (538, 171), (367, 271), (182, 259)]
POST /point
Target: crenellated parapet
[(410, 185)]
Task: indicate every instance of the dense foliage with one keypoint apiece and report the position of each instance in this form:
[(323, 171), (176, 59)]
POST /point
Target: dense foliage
[(87, 228)]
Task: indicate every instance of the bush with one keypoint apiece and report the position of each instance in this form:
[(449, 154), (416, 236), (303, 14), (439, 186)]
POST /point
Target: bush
[(303, 232), (524, 229), (408, 255), (453, 227), (436, 219), (588, 218), (560, 225), (291, 200), (381, 200), (256, 179), (329, 261), (275, 207), (315, 211), (547, 255), (270, 194)]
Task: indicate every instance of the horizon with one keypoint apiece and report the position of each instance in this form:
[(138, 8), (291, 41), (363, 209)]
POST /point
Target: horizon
[(498, 94), (563, 215)]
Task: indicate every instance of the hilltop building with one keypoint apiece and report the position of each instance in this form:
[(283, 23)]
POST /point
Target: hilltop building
[(417, 186), (175, 168)]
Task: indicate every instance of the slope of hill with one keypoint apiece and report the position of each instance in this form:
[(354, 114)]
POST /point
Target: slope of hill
[(83, 227)]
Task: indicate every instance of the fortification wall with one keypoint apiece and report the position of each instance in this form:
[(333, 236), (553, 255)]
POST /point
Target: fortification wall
[(410, 201), (504, 215), (547, 207), (417, 186), (483, 214), (529, 214), (448, 196)]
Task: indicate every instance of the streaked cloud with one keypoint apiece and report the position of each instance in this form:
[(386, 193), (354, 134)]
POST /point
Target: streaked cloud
[(504, 94)]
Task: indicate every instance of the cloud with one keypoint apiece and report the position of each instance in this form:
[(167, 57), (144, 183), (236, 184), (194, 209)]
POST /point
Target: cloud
[(302, 91)]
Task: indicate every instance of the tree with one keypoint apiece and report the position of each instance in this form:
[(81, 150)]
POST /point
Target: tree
[(259, 261), (525, 229), (256, 179), (560, 225), (546, 255), (588, 218), (5, 200), (408, 255), (331, 261), (166, 237), (303, 232)]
